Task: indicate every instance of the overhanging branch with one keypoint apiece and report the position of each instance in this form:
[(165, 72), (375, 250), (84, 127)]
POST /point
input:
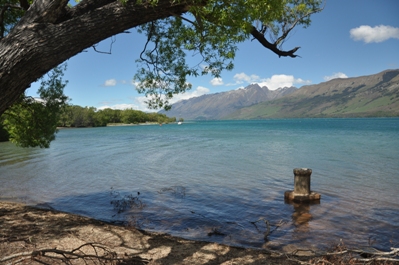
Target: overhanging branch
[(62, 34), (272, 46)]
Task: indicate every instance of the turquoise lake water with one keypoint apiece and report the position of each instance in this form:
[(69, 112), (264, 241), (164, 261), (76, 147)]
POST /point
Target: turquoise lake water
[(218, 180)]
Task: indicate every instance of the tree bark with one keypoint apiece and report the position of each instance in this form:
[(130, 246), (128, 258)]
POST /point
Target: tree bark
[(50, 32)]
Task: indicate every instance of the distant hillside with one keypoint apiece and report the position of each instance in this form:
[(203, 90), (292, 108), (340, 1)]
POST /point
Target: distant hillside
[(219, 105), (365, 96)]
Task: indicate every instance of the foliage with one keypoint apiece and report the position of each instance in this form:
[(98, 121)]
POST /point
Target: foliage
[(4, 136), (25, 131), (208, 30), (10, 12), (33, 122), (77, 116), (212, 32)]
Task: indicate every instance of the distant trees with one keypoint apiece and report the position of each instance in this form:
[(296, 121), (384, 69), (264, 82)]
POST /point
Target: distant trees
[(77, 116), (30, 123), (133, 116)]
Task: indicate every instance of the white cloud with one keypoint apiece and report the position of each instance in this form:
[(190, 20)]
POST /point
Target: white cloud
[(126, 82), (242, 77), (376, 34), (217, 81), (335, 75), (277, 81), (272, 83), (199, 91), (110, 82), (119, 106)]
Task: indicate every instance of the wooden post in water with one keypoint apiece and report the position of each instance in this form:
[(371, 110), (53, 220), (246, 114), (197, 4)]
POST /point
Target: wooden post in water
[(302, 192)]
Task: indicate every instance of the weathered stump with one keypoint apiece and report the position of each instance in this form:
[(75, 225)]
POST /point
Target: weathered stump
[(302, 192)]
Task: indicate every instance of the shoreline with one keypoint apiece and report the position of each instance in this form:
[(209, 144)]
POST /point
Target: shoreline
[(27, 228), (33, 235), (118, 125)]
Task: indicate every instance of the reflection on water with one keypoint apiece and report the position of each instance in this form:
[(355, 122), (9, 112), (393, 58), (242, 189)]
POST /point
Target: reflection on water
[(301, 215), (10, 155)]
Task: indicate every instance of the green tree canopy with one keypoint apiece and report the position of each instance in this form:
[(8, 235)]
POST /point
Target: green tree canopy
[(174, 29), (36, 36), (33, 122)]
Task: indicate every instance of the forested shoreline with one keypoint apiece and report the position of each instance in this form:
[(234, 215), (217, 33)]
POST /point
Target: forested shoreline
[(77, 116), (74, 116)]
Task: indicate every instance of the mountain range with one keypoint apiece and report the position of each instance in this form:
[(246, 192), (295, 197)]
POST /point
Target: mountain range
[(364, 96), (220, 105)]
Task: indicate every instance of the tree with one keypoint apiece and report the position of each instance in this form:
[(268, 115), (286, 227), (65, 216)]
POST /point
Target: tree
[(136, 116), (109, 116), (33, 122), (38, 36)]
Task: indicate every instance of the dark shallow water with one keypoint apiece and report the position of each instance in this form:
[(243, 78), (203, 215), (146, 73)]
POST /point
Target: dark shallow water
[(217, 181)]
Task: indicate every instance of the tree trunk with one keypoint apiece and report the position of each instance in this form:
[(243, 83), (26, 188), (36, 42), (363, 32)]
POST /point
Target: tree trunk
[(50, 32)]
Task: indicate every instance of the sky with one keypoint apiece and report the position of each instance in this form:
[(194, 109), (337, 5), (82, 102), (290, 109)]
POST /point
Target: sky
[(349, 38)]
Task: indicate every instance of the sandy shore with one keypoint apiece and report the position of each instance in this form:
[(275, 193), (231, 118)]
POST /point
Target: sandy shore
[(24, 229)]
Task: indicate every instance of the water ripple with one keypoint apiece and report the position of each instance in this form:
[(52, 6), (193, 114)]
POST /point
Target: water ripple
[(210, 180)]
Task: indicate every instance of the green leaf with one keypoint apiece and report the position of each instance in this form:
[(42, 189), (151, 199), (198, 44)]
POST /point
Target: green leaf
[(33, 122)]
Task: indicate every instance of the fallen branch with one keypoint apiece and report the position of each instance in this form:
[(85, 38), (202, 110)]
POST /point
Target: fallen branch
[(95, 253), (17, 255), (378, 259), (369, 255), (370, 251)]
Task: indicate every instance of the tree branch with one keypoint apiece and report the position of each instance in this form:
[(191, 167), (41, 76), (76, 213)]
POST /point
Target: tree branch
[(59, 38), (42, 11), (113, 40), (272, 46), (81, 253), (86, 6), (293, 25)]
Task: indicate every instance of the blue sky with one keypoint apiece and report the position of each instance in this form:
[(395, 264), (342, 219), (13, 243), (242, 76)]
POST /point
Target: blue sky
[(349, 38)]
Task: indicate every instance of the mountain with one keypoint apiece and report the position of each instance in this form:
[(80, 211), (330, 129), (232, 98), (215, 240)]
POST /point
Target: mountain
[(219, 105), (365, 96)]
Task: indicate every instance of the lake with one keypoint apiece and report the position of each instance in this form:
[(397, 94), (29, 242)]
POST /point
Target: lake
[(220, 180)]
